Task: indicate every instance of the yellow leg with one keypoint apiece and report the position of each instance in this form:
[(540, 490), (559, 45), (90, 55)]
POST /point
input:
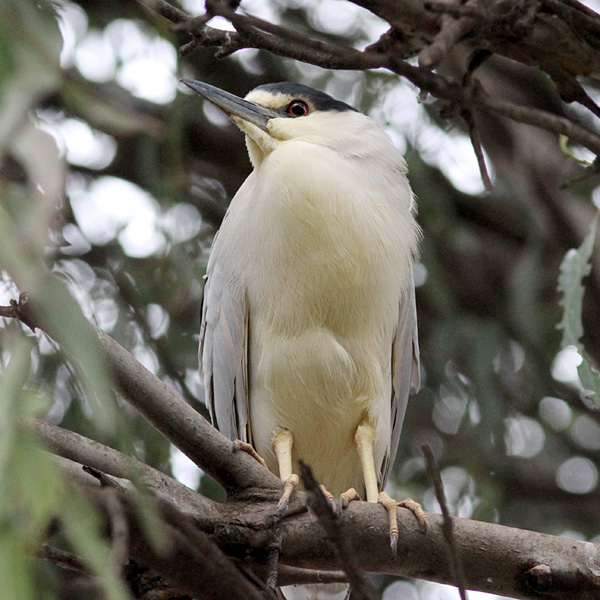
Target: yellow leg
[(365, 441), (282, 444)]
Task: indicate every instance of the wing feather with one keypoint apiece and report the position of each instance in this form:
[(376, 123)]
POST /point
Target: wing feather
[(405, 371), (223, 350)]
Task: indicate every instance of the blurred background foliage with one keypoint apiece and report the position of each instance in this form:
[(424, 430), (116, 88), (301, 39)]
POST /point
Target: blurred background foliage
[(114, 177)]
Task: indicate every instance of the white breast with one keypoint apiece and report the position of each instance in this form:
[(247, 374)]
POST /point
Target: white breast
[(323, 260)]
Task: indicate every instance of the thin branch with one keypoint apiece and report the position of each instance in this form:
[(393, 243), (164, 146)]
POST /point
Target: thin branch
[(362, 588), (456, 564), (473, 96), (585, 174), (166, 10), (63, 559), (289, 44), (478, 150), (451, 30), (259, 34), (87, 452), (542, 119), (248, 23)]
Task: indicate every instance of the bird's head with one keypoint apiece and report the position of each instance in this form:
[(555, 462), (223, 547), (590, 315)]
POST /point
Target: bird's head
[(280, 112)]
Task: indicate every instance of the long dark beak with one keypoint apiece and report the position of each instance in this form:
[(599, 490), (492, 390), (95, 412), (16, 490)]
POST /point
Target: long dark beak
[(231, 105)]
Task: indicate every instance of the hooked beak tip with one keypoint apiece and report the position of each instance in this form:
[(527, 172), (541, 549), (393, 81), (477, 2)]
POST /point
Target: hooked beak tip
[(232, 105)]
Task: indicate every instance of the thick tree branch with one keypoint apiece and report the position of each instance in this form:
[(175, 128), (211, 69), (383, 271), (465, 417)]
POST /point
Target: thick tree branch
[(496, 559), (193, 563), (237, 472), (86, 452)]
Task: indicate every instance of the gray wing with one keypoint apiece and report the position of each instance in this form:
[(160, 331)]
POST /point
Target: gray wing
[(405, 371), (223, 350)]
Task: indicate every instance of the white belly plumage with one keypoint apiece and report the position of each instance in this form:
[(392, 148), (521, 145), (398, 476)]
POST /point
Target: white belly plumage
[(320, 342)]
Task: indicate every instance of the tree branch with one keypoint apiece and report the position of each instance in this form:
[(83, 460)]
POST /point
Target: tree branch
[(497, 559), (530, 562), (86, 452), (237, 472), (257, 33), (193, 562)]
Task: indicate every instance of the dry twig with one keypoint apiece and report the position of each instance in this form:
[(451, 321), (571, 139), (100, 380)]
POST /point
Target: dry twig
[(362, 588), (456, 563)]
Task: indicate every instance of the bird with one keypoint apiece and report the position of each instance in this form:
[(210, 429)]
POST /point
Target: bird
[(308, 340)]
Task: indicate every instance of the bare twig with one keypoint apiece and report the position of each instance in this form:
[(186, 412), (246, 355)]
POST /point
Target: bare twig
[(456, 564), (451, 30), (166, 10), (248, 23), (587, 173), (478, 149), (87, 452), (362, 588), (256, 33), (63, 559)]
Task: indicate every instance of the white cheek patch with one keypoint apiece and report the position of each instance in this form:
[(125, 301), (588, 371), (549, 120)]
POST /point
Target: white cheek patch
[(267, 99)]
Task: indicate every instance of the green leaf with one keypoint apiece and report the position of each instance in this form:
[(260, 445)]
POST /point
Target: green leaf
[(30, 484), (84, 530), (573, 269)]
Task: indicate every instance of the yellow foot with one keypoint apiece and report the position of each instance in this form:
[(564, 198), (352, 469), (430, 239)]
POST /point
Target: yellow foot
[(391, 506), (417, 510), (249, 449), (347, 497), (289, 485), (330, 498)]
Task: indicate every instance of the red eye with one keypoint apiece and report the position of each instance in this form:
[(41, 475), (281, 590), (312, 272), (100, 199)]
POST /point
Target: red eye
[(297, 108)]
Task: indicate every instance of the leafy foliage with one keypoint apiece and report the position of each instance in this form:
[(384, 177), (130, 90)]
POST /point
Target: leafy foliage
[(573, 269)]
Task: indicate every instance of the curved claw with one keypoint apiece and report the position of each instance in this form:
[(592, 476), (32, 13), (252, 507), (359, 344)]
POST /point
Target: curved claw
[(394, 545), (289, 486), (392, 506), (330, 499)]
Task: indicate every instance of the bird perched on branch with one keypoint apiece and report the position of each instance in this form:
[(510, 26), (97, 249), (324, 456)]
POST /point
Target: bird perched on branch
[(308, 344)]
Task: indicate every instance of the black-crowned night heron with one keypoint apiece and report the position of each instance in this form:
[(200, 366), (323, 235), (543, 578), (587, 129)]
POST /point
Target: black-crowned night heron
[(308, 344)]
